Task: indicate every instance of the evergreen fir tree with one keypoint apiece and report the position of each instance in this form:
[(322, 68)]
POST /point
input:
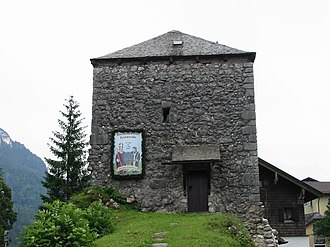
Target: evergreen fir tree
[(7, 215), (68, 173)]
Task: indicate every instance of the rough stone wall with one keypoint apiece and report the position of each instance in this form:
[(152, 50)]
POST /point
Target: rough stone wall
[(211, 103), (261, 232)]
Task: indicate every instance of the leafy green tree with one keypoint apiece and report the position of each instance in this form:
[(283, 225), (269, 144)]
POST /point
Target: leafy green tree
[(322, 226), (7, 215), (68, 173)]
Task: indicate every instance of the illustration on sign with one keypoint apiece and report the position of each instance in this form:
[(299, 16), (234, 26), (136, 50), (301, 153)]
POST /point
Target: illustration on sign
[(127, 158)]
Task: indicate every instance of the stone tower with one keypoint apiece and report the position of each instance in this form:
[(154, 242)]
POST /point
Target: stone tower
[(174, 125)]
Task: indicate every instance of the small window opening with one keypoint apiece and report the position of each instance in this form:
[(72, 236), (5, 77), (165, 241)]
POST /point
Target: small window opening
[(177, 42), (166, 114), (288, 214)]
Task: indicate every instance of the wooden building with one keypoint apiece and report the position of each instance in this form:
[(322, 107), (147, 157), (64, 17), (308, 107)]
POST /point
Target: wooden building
[(283, 197)]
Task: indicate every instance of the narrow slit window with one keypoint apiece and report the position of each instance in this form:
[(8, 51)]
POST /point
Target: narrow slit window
[(166, 114)]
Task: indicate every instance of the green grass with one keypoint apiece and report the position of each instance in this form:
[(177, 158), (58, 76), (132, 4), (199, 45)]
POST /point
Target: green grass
[(133, 228)]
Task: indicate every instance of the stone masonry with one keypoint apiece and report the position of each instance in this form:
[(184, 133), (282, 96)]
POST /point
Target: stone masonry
[(211, 100)]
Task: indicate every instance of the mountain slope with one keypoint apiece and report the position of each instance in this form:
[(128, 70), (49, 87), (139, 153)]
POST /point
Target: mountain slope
[(23, 171)]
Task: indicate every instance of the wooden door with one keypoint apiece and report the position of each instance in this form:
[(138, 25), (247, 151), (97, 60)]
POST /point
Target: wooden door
[(197, 185)]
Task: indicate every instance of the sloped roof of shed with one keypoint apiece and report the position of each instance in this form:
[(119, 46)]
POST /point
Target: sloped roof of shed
[(311, 192), (162, 46), (309, 218)]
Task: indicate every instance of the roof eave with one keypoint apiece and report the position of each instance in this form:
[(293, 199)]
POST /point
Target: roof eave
[(249, 56), (290, 178)]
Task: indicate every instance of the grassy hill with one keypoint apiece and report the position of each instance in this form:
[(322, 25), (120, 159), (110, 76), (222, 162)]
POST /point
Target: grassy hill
[(98, 211), (134, 228)]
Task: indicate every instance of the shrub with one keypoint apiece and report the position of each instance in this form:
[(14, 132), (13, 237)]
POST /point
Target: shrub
[(59, 224), (100, 218), (64, 224), (96, 193)]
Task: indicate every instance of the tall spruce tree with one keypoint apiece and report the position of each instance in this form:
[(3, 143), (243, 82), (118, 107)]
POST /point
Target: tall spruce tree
[(7, 214), (68, 173)]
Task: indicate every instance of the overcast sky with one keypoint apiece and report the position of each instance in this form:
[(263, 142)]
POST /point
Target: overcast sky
[(45, 47)]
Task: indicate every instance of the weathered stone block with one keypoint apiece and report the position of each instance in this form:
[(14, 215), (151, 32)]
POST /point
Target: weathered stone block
[(249, 115), (195, 153), (251, 146)]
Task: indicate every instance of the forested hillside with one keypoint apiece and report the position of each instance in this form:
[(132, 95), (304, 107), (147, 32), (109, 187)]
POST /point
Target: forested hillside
[(22, 171)]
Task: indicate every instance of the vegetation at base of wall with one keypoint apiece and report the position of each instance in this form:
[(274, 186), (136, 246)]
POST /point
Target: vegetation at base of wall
[(134, 228), (100, 219), (64, 224), (96, 193), (226, 224), (322, 226)]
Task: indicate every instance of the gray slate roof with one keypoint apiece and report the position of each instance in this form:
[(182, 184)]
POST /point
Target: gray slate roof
[(324, 187), (309, 218), (163, 46)]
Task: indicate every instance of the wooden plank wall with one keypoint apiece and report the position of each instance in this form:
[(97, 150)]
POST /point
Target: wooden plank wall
[(278, 195)]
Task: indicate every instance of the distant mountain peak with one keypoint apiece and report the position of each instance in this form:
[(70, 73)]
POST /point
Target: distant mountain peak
[(5, 138), (23, 171)]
